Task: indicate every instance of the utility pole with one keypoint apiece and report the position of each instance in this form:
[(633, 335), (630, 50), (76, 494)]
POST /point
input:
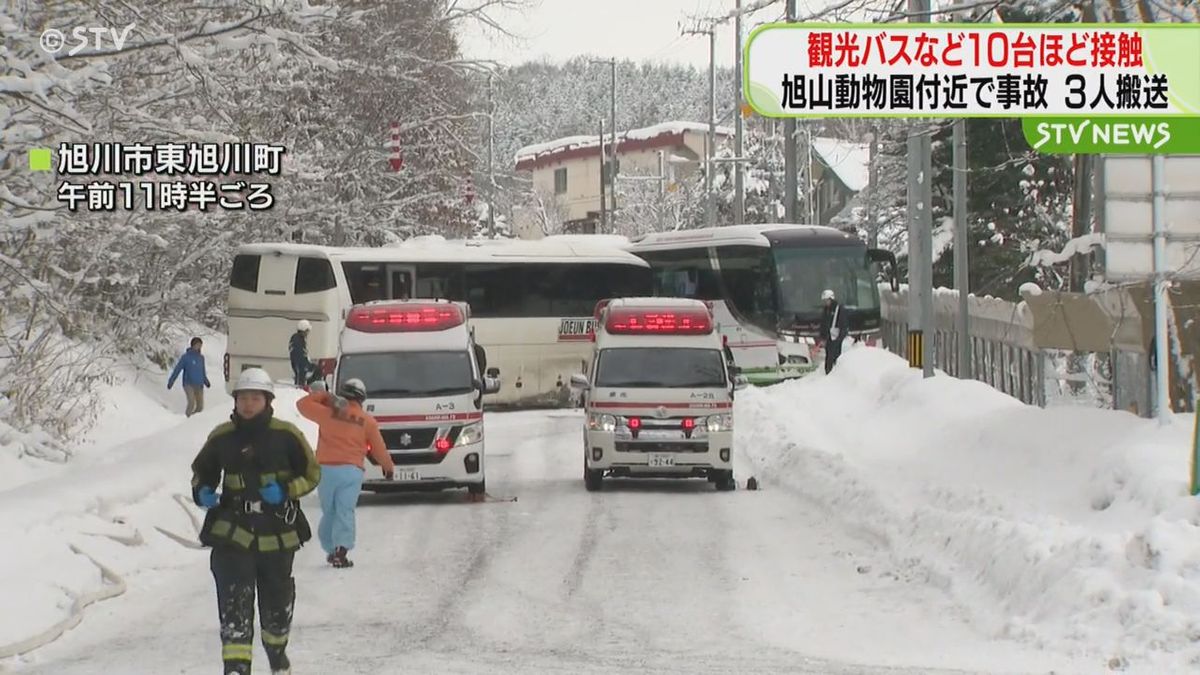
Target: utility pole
[(962, 276), (491, 165), (1161, 353), (962, 270), (603, 168), (872, 187), (710, 201), (739, 194), (662, 189), (710, 143), (810, 187), (791, 208), (612, 150), (920, 233), (614, 166)]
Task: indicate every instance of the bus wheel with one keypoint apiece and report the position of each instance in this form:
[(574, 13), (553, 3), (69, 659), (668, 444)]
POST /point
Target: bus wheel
[(725, 481), (592, 479)]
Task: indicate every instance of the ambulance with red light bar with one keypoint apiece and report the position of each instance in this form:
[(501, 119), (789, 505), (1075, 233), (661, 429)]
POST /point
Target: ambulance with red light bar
[(425, 380), (659, 395)]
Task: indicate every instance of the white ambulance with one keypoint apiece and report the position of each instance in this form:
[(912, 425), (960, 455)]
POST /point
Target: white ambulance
[(425, 378), (659, 397)]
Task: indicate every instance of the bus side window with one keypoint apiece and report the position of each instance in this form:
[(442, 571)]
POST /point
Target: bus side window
[(244, 275), (313, 275), (401, 285), (439, 280), (366, 282), (684, 273)]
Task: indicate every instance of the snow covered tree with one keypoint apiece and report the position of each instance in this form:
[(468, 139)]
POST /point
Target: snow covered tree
[(80, 290)]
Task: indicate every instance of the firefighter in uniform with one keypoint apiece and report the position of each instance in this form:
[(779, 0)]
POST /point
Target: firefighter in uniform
[(254, 525)]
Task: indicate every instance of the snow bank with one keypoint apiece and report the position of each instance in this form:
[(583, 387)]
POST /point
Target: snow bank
[(107, 501), (1068, 528)]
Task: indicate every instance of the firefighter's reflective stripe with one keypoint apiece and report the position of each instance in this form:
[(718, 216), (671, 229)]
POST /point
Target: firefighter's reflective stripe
[(268, 543), (290, 539), (237, 652), (300, 485), (221, 528), (234, 481), (242, 537), (274, 640)]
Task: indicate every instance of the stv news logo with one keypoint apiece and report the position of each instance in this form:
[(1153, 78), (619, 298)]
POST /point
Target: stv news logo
[(53, 40)]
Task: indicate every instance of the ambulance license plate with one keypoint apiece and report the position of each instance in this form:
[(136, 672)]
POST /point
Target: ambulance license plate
[(408, 475), (660, 460)]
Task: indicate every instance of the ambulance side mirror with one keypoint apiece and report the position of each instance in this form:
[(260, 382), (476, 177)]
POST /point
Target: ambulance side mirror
[(493, 372), (491, 385), (740, 382), (580, 382)]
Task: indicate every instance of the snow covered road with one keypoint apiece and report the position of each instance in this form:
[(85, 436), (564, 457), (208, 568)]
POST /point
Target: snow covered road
[(654, 576)]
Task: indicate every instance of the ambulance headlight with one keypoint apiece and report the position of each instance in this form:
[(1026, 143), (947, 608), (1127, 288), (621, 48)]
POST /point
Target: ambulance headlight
[(470, 434), (714, 423), (601, 422)]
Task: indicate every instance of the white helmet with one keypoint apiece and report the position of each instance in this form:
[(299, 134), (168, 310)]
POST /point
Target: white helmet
[(354, 389), (254, 379), (826, 294), (303, 325)]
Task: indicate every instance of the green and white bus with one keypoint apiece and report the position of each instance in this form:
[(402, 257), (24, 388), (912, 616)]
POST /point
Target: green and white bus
[(764, 283)]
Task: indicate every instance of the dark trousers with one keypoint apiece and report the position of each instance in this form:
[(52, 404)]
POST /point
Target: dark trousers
[(238, 574), (833, 349)]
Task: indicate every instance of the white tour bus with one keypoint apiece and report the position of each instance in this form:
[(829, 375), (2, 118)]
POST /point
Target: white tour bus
[(531, 301), (425, 383), (764, 284)]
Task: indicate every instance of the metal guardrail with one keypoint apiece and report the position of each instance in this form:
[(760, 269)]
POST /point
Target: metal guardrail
[(1012, 369), (1008, 354)]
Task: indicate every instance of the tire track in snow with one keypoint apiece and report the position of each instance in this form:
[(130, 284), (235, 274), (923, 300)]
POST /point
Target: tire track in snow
[(526, 603)]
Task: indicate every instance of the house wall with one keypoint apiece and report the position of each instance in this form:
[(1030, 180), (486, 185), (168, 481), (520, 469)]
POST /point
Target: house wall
[(582, 195)]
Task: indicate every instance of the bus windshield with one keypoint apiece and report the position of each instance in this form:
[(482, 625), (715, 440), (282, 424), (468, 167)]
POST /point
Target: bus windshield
[(410, 374), (660, 368), (803, 272)]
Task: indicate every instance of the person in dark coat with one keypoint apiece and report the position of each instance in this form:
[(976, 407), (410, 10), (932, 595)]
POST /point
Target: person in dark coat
[(250, 476), (303, 370), (195, 379), (834, 327)]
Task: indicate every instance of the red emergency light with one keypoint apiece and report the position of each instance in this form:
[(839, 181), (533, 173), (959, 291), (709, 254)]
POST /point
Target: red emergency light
[(629, 321), (405, 317)]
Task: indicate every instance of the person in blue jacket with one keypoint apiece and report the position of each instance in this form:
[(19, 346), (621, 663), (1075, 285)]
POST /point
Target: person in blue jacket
[(195, 379)]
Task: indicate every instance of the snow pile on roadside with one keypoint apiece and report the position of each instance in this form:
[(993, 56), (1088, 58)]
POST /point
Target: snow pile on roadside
[(107, 500), (133, 404), (1069, 528)]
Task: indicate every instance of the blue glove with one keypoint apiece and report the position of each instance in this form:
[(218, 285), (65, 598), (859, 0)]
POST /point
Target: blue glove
[(208, 497), (272, 493)]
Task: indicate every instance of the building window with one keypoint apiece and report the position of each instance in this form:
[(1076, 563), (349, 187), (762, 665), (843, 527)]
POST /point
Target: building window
[(560, 181)]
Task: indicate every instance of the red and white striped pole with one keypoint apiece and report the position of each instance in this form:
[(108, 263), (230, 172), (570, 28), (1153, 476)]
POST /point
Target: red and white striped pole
[(396, 160)]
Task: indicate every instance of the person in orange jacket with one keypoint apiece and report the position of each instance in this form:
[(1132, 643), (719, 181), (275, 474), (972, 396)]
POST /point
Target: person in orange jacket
[(347, 433)]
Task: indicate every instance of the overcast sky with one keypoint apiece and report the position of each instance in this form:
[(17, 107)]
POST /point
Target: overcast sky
[(642, 30)]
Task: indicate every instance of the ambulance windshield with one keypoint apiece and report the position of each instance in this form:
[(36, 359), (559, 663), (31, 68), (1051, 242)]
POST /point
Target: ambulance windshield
[(410, 374), (660, 367)]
